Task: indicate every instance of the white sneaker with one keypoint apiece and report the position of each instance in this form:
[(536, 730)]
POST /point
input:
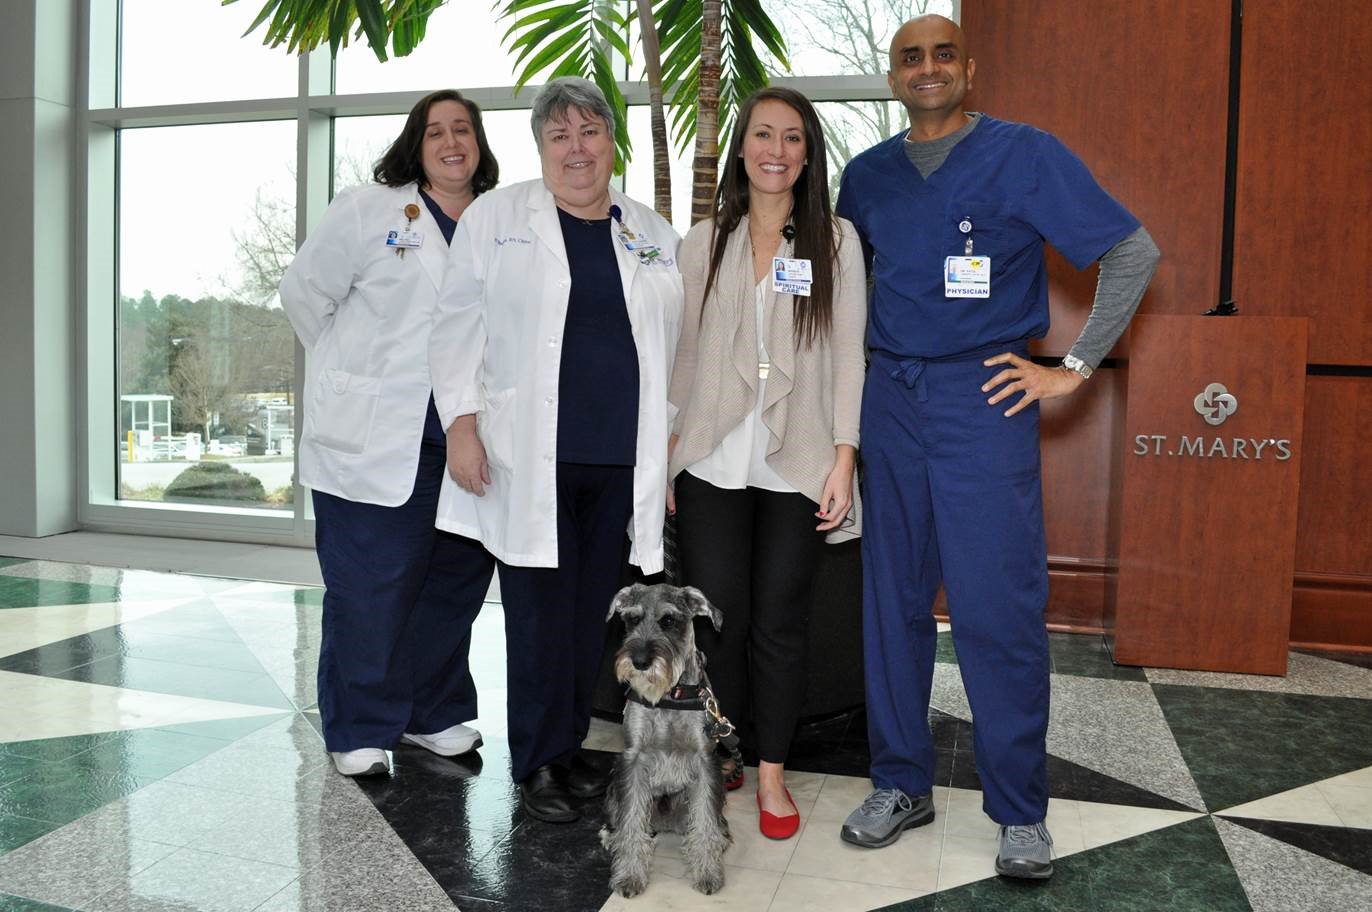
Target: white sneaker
[(454, 740), (366, 761)]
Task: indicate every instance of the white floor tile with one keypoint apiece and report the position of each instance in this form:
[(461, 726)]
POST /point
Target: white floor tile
[(55, 707), (745, 890), (22, 629), (798, 893)]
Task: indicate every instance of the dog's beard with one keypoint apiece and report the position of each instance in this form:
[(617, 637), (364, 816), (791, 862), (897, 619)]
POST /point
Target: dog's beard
[(651, 683)]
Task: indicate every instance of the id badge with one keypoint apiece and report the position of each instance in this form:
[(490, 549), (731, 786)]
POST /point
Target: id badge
[(641, 247), (790, 276), (404, 238), (967, 277)]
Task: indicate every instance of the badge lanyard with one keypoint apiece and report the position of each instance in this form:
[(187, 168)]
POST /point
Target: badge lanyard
[(641, 247), (966, 276), (402, 239)]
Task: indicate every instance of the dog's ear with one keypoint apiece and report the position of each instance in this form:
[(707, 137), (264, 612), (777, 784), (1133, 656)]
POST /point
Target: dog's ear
[(700, 606), (624, 598)]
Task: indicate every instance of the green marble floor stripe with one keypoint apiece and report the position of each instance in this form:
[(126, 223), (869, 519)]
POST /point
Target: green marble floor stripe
[(23, 592), (16, 831), (10, 903), (10, 561), (1085, 656), (1183, 868), (945, 652), (1241, 745)]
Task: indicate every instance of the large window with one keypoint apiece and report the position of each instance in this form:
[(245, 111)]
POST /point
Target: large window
[(179, 51), (206, 358), (210, 157)]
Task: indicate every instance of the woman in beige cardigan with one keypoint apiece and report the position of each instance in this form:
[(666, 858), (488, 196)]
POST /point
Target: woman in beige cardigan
[(768, 381)]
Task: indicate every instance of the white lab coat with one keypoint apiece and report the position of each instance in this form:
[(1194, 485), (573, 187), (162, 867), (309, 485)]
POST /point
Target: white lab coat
[(363, 314), (495, 350)]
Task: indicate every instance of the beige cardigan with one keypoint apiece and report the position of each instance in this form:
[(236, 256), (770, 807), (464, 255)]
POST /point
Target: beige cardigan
[(814, 395)]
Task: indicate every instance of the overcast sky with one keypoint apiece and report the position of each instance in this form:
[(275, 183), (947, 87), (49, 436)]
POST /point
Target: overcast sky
[(184, 191)]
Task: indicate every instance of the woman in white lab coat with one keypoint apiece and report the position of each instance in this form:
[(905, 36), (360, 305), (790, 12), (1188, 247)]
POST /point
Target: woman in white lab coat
[(400, 595), (551, 354)]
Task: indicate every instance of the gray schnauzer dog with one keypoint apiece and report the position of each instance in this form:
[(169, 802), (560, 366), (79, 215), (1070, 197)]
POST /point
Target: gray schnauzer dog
[(668, 778)]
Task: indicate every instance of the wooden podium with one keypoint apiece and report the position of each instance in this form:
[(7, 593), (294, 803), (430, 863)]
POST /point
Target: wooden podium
[(1204, 511)]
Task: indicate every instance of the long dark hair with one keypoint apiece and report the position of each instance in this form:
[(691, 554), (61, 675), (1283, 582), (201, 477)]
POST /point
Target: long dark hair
[(402, 163), (811, 215)]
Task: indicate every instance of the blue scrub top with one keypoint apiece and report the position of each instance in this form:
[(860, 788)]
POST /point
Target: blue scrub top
[(1018, 187)]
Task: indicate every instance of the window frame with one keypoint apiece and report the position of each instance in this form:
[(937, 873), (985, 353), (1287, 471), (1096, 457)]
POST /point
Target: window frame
[(314, 108)]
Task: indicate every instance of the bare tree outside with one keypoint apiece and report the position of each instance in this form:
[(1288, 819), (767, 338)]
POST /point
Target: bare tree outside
[(850, 37), (203, 383)]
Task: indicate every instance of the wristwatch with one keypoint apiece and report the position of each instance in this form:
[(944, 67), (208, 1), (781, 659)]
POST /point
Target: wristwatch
[(1076, 365)]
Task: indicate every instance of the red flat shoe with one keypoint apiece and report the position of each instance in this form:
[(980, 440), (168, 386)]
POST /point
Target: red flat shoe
[(774, 827)]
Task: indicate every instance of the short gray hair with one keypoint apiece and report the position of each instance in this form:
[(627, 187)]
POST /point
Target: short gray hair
[(554, 99)]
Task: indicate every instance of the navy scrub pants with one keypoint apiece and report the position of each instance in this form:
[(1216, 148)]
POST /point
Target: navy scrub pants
[(399, 603), (555, 616), (952, 495)]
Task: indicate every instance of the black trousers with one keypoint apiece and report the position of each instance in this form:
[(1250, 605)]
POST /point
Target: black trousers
[(753, 553), (555, 616)]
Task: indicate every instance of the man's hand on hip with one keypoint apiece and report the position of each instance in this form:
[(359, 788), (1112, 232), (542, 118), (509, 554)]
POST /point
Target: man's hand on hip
[(1025, 376)]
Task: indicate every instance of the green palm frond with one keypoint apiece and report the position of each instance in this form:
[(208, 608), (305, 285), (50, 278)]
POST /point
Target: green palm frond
[(303, 25), (552, 38)]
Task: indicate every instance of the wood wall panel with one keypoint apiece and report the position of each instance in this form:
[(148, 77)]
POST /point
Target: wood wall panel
[(1334, 528), (1140, 91), (1303, 210), (1077, 432)]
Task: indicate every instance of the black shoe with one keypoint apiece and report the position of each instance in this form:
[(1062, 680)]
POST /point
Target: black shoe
[(583, 778), (544, 798)]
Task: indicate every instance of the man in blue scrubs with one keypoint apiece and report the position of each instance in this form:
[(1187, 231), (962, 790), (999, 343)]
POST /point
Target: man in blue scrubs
[(954, 215)]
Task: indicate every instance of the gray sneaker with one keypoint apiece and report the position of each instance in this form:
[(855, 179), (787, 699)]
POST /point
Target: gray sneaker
[(884, 815), (1025, 851)]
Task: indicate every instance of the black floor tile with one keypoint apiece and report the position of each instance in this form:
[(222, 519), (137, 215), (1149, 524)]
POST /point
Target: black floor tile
[(1360, 659), (546, 866), (1347, 846)]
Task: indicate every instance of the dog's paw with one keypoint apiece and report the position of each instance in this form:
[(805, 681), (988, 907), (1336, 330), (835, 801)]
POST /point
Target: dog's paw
[(709, 884), (606, 834), (628, 887)]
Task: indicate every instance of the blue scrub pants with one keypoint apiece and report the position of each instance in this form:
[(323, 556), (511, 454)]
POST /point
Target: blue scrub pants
[(555, 617), (952, 495), (399, 603)]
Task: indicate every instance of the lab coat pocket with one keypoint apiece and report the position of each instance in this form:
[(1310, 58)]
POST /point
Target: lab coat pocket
[(495, 426), (344, 408)]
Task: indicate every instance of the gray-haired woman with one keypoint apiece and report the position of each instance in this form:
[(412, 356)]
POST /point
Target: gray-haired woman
[(550, 352)]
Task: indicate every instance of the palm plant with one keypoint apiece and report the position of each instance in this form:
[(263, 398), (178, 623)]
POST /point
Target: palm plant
[(703, 50), (707, 58)]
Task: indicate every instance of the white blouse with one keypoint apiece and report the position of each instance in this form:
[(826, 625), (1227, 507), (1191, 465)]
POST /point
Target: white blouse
[(740, 460)]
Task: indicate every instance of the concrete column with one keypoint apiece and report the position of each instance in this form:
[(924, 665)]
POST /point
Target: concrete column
[(38, 377)]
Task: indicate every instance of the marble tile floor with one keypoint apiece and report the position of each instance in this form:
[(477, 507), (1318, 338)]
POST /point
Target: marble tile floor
[(159, 750)]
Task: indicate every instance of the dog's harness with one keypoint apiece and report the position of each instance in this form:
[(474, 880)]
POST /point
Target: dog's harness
[(695, 698)]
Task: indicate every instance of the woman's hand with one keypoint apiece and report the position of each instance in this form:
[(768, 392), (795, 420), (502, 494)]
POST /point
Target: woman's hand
[(467, 457), (837, 498), (671, 495)]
